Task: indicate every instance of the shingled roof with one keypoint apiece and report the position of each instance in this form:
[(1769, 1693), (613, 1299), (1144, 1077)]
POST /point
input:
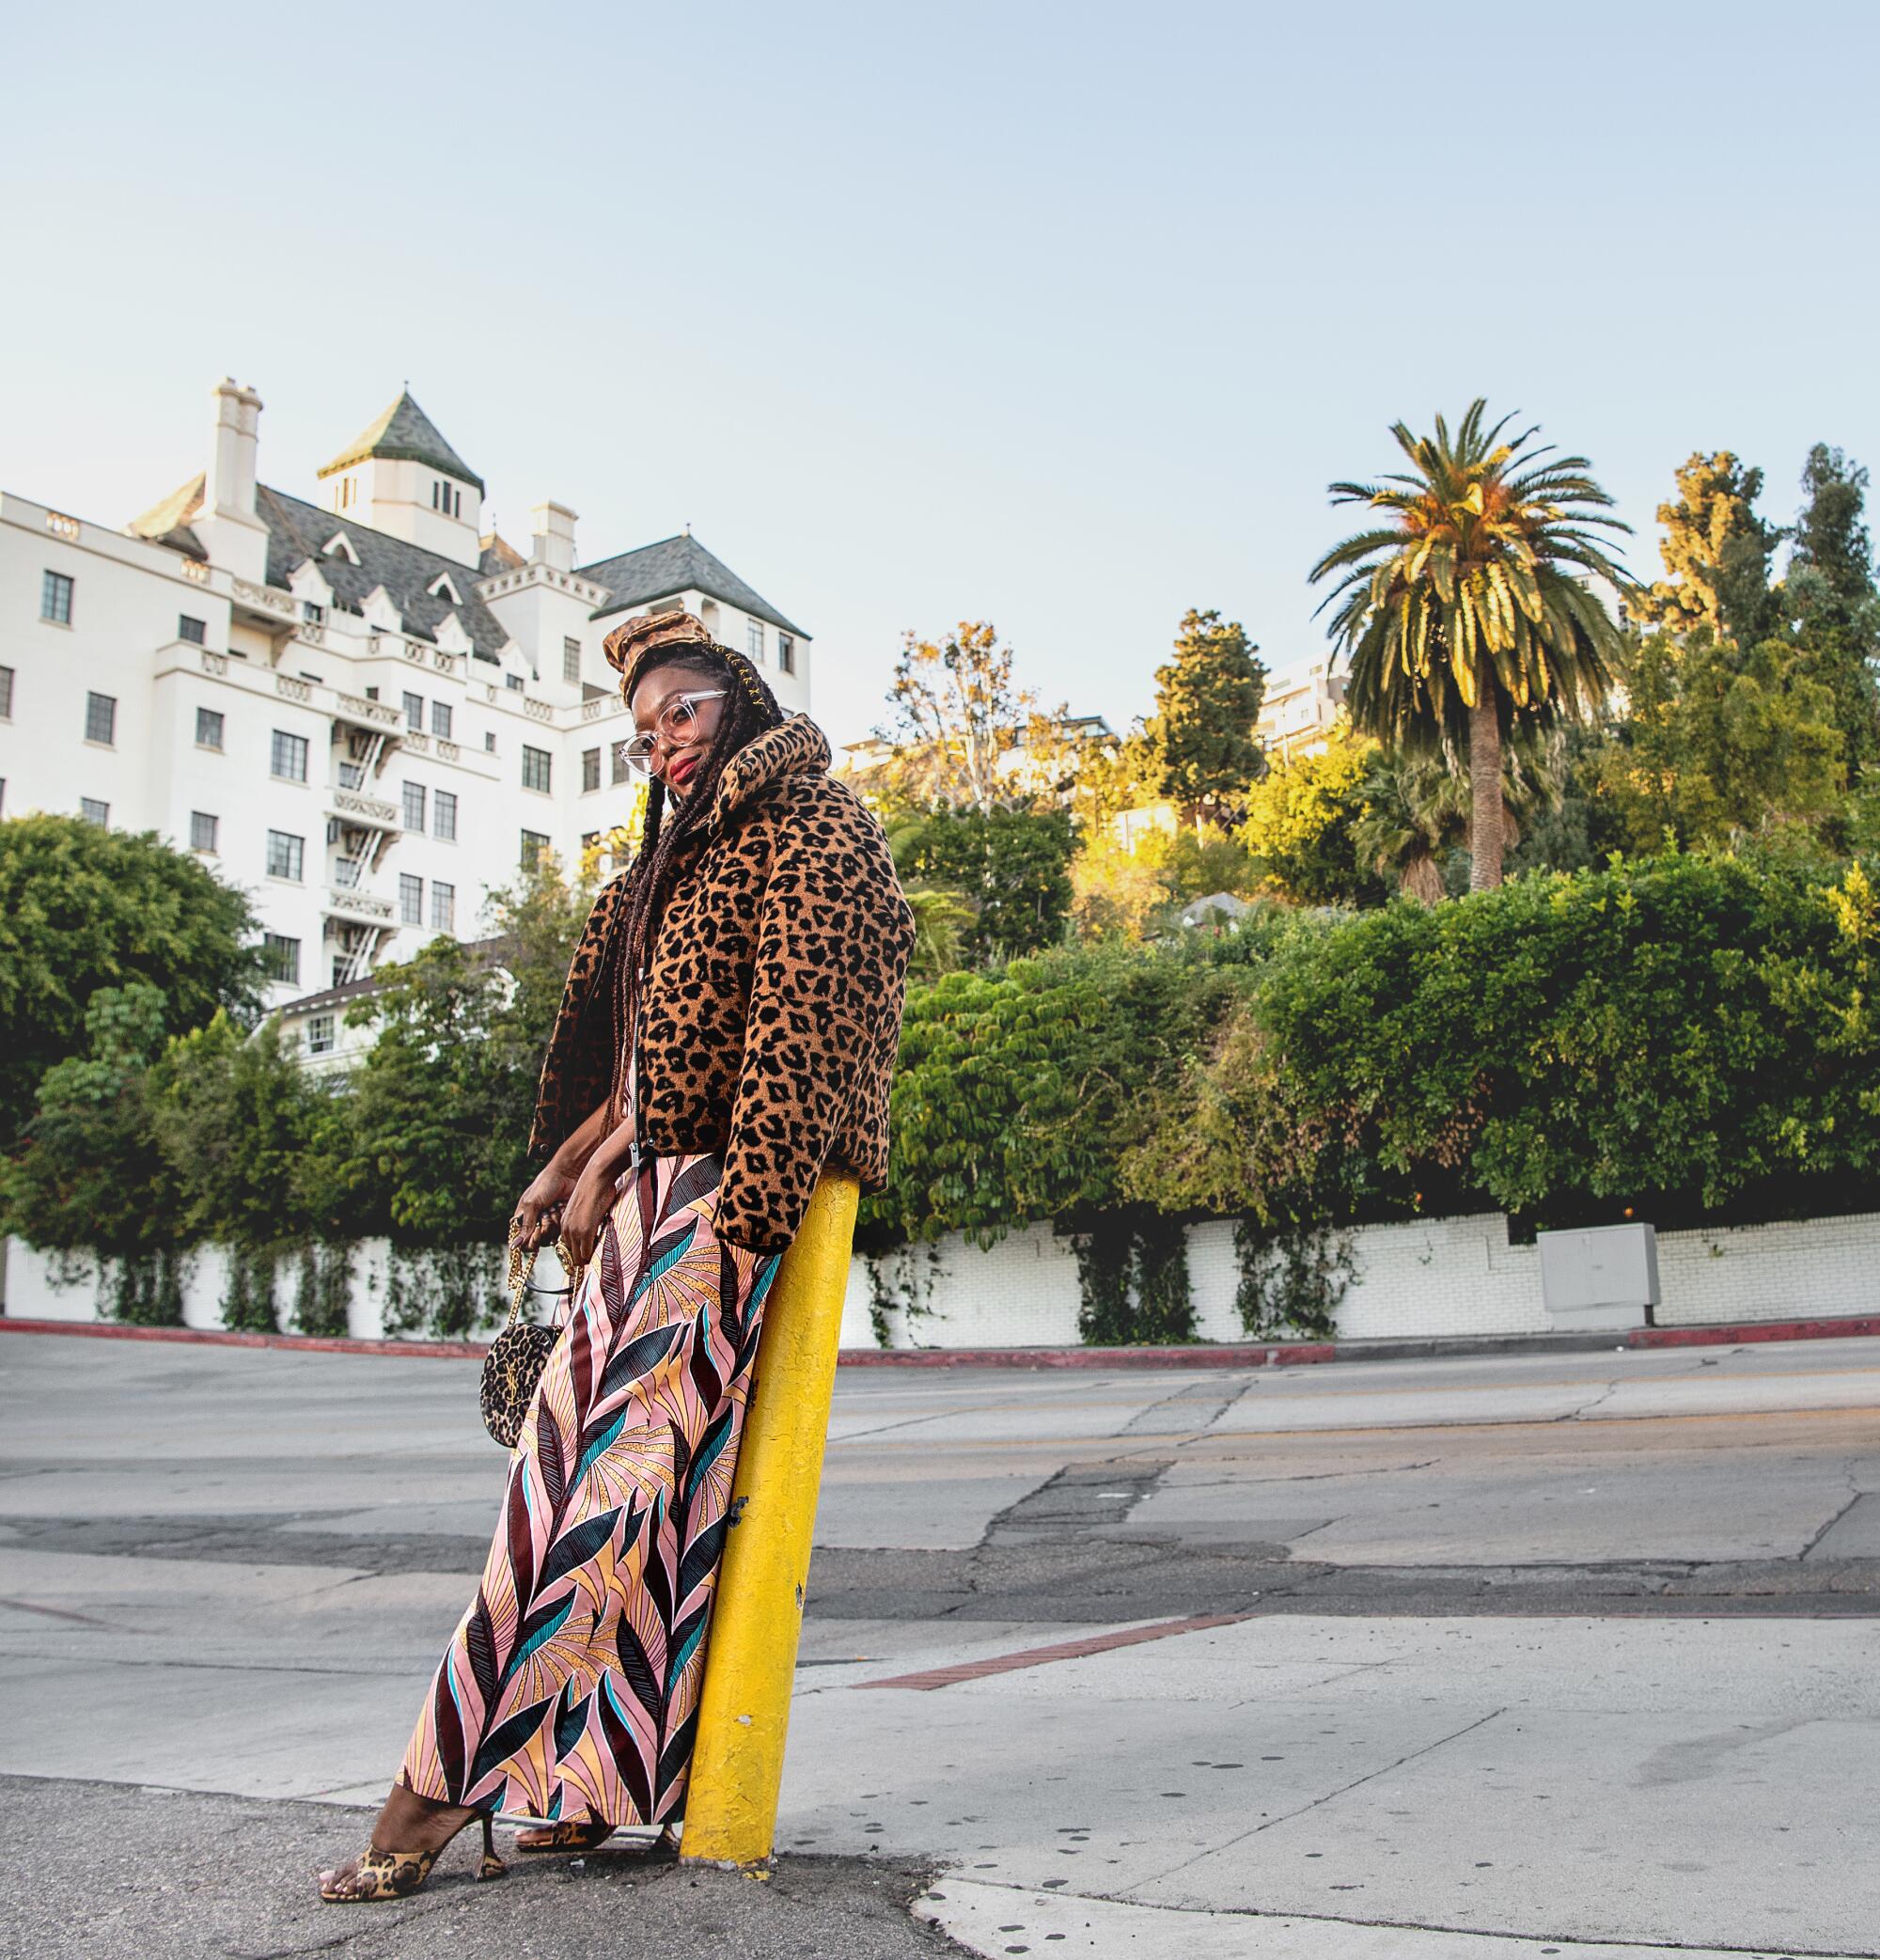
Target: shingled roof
[(298, 532), (676, 565), (404, 433), (167, 521)]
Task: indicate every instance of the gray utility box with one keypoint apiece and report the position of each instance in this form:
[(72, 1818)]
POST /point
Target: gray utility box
[(1605, 1278)]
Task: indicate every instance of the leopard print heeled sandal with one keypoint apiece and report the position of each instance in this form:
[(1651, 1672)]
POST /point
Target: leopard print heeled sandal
[(378, 1875)]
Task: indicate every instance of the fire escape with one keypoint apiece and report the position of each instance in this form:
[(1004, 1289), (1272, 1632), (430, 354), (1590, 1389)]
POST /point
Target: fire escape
[(360, 827)]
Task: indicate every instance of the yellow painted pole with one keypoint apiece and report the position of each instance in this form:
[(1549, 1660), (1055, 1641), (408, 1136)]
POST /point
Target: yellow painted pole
[(750, 1661)]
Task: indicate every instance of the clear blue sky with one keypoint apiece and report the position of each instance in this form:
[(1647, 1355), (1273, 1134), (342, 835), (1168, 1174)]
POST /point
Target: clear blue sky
[(1061, 315)]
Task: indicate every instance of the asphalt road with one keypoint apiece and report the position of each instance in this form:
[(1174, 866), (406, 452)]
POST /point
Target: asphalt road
[(228, 1573)]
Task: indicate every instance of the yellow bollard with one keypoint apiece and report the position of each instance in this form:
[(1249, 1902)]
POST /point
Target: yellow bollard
[(750, 1662)]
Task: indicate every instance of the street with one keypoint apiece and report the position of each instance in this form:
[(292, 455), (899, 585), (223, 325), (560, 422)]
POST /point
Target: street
[(1378, 1658)]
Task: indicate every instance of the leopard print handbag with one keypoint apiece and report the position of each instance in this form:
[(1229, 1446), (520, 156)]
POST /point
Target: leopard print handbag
[(517, 1357)]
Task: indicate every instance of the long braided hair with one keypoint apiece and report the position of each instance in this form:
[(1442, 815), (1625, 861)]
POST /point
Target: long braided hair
[(749, 709)]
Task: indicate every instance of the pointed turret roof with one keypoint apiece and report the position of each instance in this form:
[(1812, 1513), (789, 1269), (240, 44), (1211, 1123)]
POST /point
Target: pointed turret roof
[(404, 433)]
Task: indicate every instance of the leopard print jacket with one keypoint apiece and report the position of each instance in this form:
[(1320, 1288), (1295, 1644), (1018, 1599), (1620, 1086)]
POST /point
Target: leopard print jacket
[(772, 1012)]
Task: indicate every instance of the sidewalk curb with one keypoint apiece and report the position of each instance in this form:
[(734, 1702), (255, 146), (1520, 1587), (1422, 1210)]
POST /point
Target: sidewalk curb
[(1278, 1353)]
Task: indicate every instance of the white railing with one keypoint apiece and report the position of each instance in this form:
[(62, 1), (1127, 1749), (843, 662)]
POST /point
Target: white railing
[(360, 904), (348, 803), (284, 685), (449, 751), (214, 663), (540, 710), (194, 570), (279, 604), (362, 710), (60, 526), (418, 744)]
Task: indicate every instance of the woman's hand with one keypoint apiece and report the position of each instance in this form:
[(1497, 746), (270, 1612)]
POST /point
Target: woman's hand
[(587, 1212), (539, 1214)]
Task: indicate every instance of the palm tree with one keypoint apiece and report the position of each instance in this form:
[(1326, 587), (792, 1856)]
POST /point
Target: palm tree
[(1417, 808), (1470, 612)]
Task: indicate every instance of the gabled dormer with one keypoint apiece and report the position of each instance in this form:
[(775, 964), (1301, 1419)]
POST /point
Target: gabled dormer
[(444, 587), (401, 477), (340, 547)]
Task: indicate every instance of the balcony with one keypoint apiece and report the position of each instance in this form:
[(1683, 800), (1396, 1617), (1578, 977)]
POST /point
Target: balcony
[(356, 811), (359, 907), (365, 714)]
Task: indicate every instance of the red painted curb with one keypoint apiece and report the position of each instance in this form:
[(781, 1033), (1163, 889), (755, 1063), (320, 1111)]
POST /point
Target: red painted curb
[(230, 1337), (1210, 1354), (1760, 1330)]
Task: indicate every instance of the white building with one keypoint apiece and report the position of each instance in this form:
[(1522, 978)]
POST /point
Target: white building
[(1297, 715), (361, 709)]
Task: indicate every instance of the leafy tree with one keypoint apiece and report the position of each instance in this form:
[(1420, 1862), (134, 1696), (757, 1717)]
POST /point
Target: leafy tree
[(234, 1115), (955, 709), (1720, 742), (1300, 823), (89, 1174), (1011, 865), (84, 908), (1468, 610), (1716, 551), (1829, 597), (941, 920), (1207, 699)]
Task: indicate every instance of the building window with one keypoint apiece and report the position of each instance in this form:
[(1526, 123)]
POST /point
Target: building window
[(280, 958), (440, 719), (537, 763), (287, 758), (489, 742), (100, 718), (444, 498), (55, 598), (571, 660), (410, 900), (195, 631), (444, 815), (414, 806), (513, 683), (620, 771), (314, 615), (415, 713), (95, 812), (201, 831), (6, 694), (535, 848), (208, 727), (320, 1035), (590, 840), (345, 870), (754, 639), (443, 906), (285, 856), (591, 768), (786, 654)]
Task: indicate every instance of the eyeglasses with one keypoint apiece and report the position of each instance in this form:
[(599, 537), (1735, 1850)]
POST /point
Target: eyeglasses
[(678, 723)]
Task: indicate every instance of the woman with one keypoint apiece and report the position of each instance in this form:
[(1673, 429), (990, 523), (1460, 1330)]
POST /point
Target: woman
[(729, 1026)]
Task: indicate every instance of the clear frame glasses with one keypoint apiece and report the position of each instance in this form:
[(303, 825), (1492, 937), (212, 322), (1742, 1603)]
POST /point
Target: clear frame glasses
[(678, 723)]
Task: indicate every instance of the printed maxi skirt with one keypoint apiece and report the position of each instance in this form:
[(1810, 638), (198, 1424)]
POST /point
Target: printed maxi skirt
[(571, 1689)]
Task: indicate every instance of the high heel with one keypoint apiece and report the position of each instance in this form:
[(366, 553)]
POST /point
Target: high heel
[(572, 1834), (395, 1875)]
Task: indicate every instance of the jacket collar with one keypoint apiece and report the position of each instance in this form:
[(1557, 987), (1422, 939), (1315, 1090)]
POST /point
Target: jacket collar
[(796, 747)]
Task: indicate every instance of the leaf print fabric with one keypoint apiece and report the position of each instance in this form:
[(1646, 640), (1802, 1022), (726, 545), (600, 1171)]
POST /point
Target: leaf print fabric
[(571, 1689)]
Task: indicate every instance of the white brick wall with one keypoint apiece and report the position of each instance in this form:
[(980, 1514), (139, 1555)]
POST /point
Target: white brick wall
[(1437, 1276)]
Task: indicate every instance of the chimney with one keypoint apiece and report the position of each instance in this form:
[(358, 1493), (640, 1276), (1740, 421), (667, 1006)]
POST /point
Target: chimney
[(233, 460), (235, 535), (552, 543)]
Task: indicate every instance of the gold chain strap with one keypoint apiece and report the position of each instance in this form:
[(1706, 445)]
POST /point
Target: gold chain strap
[(522, 1269)]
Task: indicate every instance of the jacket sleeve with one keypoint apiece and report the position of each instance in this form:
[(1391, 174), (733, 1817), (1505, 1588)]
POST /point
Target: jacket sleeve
[(829, 975)]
